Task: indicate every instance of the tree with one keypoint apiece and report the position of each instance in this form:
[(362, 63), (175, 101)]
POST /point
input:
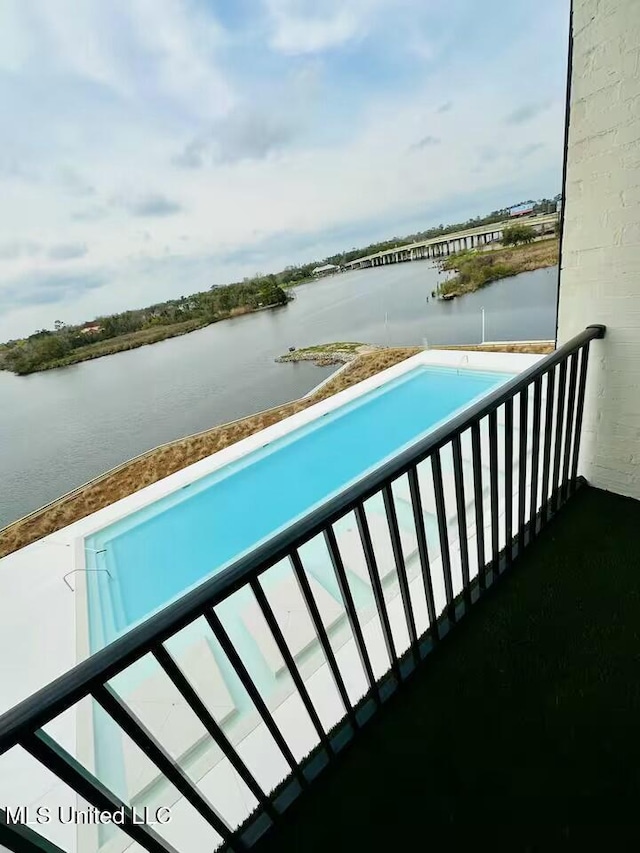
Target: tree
[(37, 352), (271, 294), (515, 234), (40, 333), (224, 299), (50, 348)]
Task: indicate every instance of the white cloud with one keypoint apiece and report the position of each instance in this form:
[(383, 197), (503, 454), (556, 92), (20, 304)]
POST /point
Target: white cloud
[(16, 249), (304, 26), (183, 42), (130, 47), (149, 205), (73, 182), (286, 161), (15, 41), (67, 251), (244, 135)]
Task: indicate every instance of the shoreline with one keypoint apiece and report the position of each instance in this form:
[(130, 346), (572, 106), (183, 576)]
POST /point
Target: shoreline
[(161, 461), (157, 463), (478, 268), (475, 269), (135, 340)]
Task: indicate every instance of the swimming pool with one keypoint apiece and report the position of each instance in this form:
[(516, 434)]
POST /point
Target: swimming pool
[(155, 554)]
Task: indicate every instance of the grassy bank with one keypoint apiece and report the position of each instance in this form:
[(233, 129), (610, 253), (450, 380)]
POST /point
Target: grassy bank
[(533, 348), (475, 269), (121, 344), (169, 458)]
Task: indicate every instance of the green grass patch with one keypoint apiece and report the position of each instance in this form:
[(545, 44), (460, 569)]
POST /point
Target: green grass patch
[(349, 346), (475, 272), (477, 268)]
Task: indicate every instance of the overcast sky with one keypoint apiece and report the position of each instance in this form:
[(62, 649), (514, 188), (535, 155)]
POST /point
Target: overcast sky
[(152, 148)]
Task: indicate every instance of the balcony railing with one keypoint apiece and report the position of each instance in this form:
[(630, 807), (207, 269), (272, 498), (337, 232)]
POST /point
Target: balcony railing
[(479, 488)]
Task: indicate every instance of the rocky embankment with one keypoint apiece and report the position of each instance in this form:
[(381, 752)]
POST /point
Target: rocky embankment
[(324, 355)]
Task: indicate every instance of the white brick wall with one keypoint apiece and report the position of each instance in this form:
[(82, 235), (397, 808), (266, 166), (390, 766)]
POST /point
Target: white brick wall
[(600, 276)]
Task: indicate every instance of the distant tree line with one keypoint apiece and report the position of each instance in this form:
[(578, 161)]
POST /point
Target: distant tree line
[(45, 346), (540, 207)]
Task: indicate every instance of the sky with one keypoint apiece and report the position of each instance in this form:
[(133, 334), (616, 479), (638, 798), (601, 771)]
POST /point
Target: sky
[(153, 148)]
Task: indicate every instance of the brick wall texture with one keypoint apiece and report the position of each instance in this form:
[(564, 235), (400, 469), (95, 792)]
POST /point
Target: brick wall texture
[(600, 274)]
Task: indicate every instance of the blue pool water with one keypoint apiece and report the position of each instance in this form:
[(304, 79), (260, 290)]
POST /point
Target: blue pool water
[(157, 553)]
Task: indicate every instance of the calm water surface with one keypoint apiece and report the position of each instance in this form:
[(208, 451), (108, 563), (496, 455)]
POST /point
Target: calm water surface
[(60, 428)]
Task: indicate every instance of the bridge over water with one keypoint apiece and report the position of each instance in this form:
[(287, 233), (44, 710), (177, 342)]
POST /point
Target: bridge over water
[(448, 244)]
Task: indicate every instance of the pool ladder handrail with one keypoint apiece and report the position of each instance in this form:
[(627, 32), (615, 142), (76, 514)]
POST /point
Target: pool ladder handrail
[(73, 571), (463, 360)]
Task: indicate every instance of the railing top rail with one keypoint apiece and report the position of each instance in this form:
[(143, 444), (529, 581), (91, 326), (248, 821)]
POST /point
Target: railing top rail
[(61, 694)]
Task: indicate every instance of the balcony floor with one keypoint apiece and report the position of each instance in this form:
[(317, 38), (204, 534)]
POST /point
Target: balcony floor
[(523, 728)]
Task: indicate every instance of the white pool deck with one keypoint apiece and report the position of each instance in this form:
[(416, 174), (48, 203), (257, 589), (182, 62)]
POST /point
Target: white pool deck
[(43, 633)]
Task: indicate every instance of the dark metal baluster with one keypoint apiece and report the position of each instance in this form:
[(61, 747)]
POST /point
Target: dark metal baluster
[(184, 687), (63, 765), (403, 581), (478, 499), (153, 749), (579, 410), (376, 587), (495, 510), (462, 518), (290, 663), (316, 618), (352, 616), (508, 479), (443, 532), (571, 401), (535, 454), (562, 386), (546, 457), (235, 660), (423, 553), (522, 466)]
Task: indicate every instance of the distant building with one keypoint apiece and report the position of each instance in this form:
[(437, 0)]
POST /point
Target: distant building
[(91, 329), (521, 209), (326, 269)]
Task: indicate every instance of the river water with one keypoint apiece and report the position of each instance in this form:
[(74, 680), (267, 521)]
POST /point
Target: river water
[(60, 428)]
